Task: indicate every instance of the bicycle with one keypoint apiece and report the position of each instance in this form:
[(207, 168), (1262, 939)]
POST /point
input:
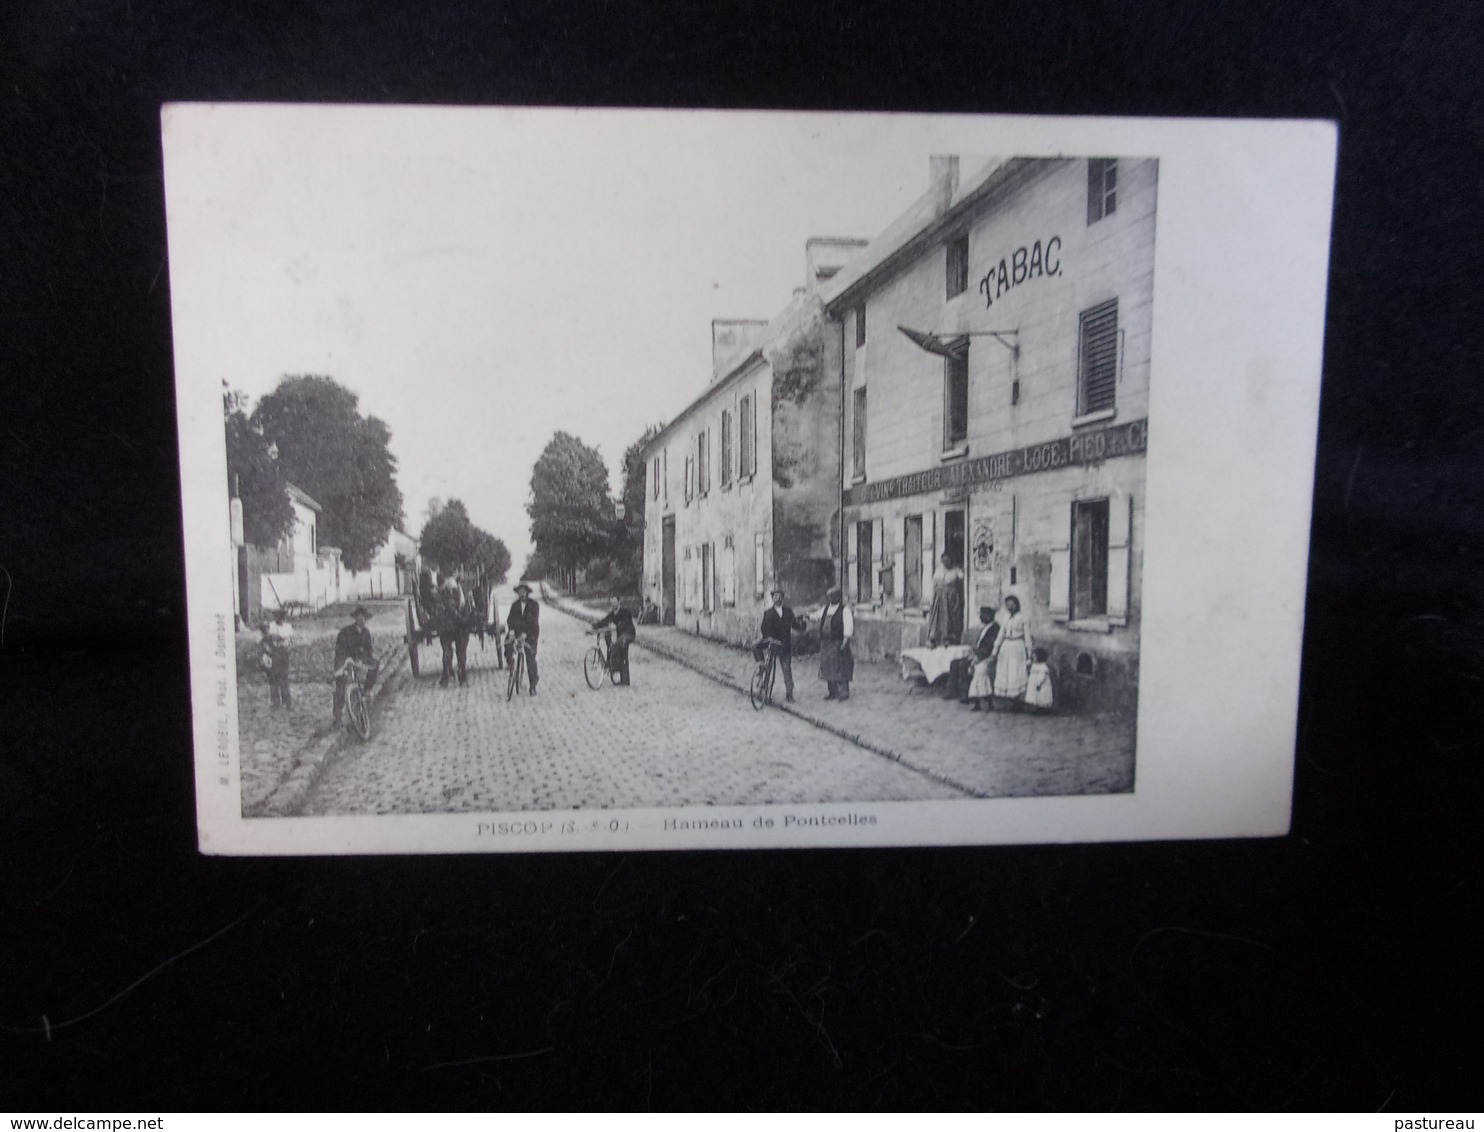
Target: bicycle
[(595, 665), (760, 691), (357, 711), (518, 651)]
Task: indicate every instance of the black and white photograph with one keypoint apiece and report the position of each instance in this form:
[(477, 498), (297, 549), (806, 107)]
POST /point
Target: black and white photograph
[(681, 479)]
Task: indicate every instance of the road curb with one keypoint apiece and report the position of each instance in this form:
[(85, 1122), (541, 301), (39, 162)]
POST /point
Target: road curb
[(289, 796), (728, 682)]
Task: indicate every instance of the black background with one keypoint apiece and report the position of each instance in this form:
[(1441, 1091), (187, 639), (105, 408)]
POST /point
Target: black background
[(1336, 968)]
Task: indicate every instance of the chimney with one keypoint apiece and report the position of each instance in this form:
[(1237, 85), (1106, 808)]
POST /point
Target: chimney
[(943, 175)]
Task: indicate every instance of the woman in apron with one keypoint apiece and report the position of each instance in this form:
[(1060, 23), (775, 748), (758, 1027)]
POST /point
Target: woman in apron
[(836, 664), (1011, 659)]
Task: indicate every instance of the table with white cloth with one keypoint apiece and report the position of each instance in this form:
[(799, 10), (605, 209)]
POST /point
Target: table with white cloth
[(932, 664)]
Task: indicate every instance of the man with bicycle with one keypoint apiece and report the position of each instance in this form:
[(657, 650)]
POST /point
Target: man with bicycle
[(621, 622), (523, 623), (779, 623), (353, 643)]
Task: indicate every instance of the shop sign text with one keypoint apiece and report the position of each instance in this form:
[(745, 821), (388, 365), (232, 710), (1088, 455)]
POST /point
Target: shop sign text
[(1021, 265), (1089, 447)]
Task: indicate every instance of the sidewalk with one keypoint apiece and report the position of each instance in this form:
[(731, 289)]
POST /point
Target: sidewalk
[(998, 754), (273, 743)]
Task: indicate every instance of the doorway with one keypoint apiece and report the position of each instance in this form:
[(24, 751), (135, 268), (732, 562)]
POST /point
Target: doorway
[(667, 571)]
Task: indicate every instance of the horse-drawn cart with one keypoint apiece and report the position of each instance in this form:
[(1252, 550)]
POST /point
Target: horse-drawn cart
[(427, 622)]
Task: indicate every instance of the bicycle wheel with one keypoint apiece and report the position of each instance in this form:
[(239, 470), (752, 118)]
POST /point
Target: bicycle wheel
[(357, 712), (517, 669), (594, 667), (759, 689)]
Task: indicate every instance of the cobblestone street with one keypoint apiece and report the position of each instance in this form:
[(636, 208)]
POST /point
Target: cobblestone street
[(675, 738), (994, 754)]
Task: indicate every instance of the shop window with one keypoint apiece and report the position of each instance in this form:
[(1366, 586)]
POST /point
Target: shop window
[(956, 399), (860, 325), (1097, 377), (858, 421), (1102, 187), (726, 448), (747, 418), (958, 266)]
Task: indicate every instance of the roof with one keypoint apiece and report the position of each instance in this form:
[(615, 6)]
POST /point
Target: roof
[(927, 219), (303, 497)]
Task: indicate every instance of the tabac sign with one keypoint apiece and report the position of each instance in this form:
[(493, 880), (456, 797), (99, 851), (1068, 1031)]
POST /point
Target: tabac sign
[(1082, 448)]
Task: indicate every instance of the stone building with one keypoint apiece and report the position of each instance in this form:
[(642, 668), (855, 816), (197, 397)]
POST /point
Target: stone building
[(741, 485), (994, 354)]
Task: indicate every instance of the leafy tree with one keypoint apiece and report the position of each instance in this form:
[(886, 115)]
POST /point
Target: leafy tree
[(342, 459), (452, 543), (267, 514), (571, 514), (628, 548)]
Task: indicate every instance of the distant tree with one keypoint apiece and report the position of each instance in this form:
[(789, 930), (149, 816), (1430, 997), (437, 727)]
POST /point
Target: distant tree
[(267, 514), (628, 548), (341, 458), (535, 569), (452, 543), (571, 513)]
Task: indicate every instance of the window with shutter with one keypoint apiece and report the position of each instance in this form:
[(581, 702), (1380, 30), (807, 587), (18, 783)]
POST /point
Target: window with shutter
[(956, 399), (729, 572), (747, 421), (958, 266), (1102, 187), (655, 476), (858, 421), (726, 447), (1098, 358), (860, 325)]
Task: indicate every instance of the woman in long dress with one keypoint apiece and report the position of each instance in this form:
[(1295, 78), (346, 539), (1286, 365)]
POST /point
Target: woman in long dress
[(1011, 659), (946, 614), (836, 664)]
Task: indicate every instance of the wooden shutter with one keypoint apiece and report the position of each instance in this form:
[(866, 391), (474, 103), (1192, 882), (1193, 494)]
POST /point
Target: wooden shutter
[(852, 579), (878, 554), (1120, 535), (1099, 363), (729, 574), (929, 555), (1061, 575)]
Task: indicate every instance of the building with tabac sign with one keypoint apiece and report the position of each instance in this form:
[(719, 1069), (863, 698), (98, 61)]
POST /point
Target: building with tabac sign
[(994, 351)]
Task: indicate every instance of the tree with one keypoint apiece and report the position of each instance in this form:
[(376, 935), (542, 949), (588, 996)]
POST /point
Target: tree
[(255, 477), (342, 459), (571, 513), (452, 543), (628, 550)]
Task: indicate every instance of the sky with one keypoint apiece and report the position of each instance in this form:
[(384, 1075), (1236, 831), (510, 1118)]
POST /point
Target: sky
[(484, 278)]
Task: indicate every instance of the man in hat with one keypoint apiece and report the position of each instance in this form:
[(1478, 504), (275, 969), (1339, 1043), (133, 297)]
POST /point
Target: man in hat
[(354, 643), (779, 623), (621, 623), (452, 622), (836, 662), (524, 620)]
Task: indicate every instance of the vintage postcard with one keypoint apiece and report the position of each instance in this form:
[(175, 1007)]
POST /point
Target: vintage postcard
[(588, 479)]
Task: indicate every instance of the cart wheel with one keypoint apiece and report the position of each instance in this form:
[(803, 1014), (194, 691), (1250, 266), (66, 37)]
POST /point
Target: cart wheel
[(412, 644)]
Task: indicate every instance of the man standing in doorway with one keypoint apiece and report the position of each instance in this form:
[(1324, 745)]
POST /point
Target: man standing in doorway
[(779, 623), (524, 620)]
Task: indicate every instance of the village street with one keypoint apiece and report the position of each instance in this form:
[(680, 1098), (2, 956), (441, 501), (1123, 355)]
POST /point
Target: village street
[(676, 738)]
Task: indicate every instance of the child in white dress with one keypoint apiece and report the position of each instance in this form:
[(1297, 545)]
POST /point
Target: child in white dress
[(1038, 694)]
